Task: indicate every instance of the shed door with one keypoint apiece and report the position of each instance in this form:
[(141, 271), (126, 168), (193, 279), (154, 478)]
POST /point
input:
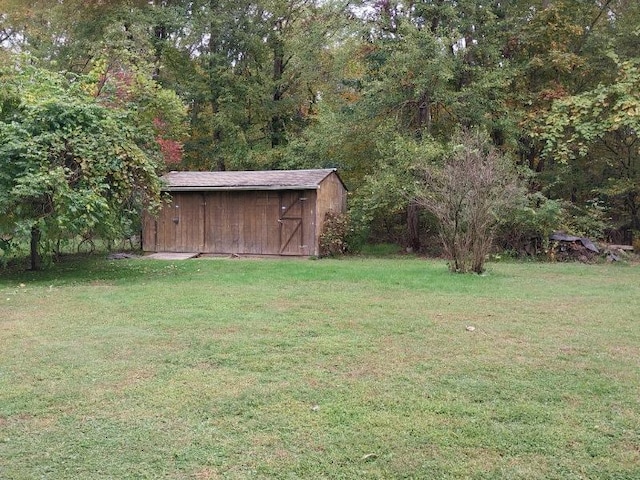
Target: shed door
[(181, 224), (291, 223)]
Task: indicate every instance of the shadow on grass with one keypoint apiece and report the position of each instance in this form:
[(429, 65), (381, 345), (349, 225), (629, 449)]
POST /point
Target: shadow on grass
[(396, 273), (86, 268)]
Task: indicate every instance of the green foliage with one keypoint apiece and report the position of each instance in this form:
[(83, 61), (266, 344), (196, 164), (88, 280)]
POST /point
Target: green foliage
[(69, 163), (375, 206), (255, 80), (589, 221), (381, 250), (602, 125), (310, 83), (380, 206), (576, 123), (525, 229)]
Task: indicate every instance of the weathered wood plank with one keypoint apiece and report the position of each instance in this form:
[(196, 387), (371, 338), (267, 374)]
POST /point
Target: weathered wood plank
[(626, 248), (263, 222)]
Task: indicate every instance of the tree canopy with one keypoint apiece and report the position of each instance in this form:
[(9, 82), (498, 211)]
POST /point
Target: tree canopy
[(71, 161)]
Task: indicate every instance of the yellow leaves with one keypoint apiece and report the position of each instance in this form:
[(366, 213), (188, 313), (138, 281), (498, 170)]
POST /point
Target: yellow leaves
[(630, 108), (577, 30), (350, 96), (565, 61), (555, 92)]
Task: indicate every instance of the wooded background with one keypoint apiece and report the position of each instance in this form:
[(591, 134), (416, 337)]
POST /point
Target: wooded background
[(377, 89)]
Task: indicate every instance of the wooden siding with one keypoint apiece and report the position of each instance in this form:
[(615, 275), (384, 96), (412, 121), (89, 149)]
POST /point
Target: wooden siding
[(296, 219), (331, 197), (180, 225), (257, 223), (149, 232), (253, 222), (242, 222)]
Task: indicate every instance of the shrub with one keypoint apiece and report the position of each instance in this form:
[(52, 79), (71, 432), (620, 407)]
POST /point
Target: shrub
[(526, 229), (589, 220), (468, 194), (636, 241), (333, 238)]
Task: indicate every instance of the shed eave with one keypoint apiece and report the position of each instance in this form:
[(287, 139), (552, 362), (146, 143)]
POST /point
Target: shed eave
[(238, 188)]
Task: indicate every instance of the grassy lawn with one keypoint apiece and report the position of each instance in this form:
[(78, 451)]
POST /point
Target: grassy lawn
[(357, 368)]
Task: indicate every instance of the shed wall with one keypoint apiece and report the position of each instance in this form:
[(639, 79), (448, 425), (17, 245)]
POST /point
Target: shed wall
[(243, 222), (332, 197), (180, 226), (260, 222)]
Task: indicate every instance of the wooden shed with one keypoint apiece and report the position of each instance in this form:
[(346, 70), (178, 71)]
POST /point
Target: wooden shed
[(276, 212)]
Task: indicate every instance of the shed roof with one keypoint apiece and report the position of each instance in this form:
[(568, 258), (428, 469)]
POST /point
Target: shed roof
[(246, 180)]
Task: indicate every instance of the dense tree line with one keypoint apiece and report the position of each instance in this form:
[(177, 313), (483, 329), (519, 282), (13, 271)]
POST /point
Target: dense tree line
[(378, 89)]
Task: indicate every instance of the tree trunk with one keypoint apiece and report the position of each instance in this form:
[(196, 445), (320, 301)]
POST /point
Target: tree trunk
[(214, 46), (277, 122), (36, 259), (160, 35), (413, 226), (424, 112)]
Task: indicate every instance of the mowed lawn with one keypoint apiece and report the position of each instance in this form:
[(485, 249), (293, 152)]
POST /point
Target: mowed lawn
[(355, 368)]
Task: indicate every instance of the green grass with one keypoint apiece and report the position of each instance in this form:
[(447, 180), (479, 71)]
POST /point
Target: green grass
[(357, 368)]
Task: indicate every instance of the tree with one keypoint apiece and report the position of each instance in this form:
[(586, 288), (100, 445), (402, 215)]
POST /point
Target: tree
[(70, 163), (421, 70), (468, 194), (315, 83), (62, 34), (597, 131), (249, 70)]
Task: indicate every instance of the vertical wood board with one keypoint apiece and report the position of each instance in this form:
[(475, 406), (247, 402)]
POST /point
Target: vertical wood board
[(262, 222)]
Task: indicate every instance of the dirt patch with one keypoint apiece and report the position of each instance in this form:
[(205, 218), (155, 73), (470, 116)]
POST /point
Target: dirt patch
[(172, 256), (205, 474), (134, 377)]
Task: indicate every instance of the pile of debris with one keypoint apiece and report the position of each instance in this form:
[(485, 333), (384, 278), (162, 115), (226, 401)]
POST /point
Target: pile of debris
[(566, 248)]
